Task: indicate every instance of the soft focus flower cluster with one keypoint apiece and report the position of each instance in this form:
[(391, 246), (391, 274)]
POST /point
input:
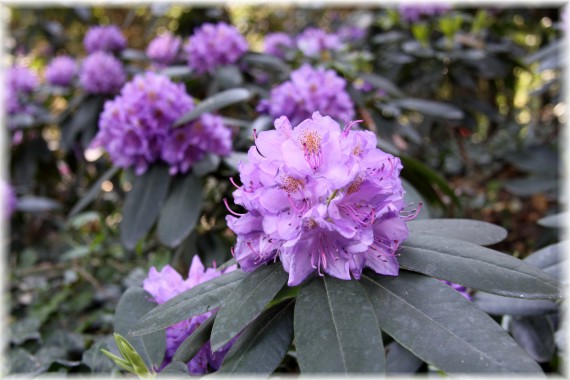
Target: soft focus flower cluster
[(9, 200), (102, 73), (167, 283), (309, 90), (61, 71), (104, 38), (314, 41), (136, 128), (322, 199), (414, 13), (164, 49), (277, 44), (214, 45), (22, 81)]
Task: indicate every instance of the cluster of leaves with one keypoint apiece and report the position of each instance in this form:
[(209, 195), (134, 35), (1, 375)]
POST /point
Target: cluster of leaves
[(434, 88)]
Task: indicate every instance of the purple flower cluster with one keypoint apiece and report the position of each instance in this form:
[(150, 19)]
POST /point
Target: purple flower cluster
[(277, 44), (322, 199), (136, 127), (61, 71), (167, 283), (214, 45), (22, 81), (104, 38), (460, 288), (351, 33), (102, 73), (310, 90), (9, 200), (314, 41), (414, 13), (164, 49)]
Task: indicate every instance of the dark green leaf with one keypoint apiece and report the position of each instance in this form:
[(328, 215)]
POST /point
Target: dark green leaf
[(191, 345), (95, 359), (181, 211), (31, 203), (135, 303), (443, 328), (401, 361), (554, 221), (21, 361), (263, 344), (413, 196), (175, 369), (535, 335), (431, 108), (267, 61), (90, 196), (215, 102), (228, 76), (336, 329), (177, 72), (200, 299), (234, 159), (143, 203), (473, 231), (24, 329), (382, 83), (536, 159), (206, 165), (528, 186), (84, 118), (134, 55), (476, 267), (550, 258), (246, 302), (498, 305)]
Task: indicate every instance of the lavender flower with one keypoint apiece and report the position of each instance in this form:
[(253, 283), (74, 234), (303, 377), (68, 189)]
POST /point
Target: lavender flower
[(104, 38), (214, 45), (22, 81), (61, 71), (320, 198), (8, 198), (136, 128), (314, 41), (277, 44), (413, 13), (351, 33), (460, 288), (101, 73), (164, 49), (310, 90), (167, 283)]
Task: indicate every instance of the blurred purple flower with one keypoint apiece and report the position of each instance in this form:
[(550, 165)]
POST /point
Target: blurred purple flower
[(314, 41), (323, 199), (351, 33), (22, 81), (167, 283), (413, 13), (164, 49), (362, 85), (8, 198), (214, 45), (460, 288), (104, 38), (277, 44), (136, 127), (310, 90), (61, 71), (102, 73)]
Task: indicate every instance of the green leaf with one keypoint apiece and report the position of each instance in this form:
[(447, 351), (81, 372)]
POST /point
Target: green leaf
[(267, 61), (133, 304), (198, 300), (181, 211), (132, 358), (430, 108), (246, 302), (90, 196), (473, 231), (554, 221), (234, 159), (206, 165), (133, 55), (262, 345), (85, 117), (175, 369), (401, 361), (178, 72), (191, 345), (336, 329), (143, 203), (443, 328), (497, 305), (215, 102), (550, 258), (527, 186), (33, 204), (382, 83), (535, 335), (476, 267), (413, 196)]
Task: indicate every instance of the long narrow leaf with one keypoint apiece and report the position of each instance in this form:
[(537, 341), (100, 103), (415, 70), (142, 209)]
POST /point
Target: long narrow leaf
[(473, 231), (443, 328)]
